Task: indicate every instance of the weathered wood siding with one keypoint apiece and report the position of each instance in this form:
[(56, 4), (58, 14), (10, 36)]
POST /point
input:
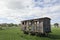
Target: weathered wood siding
[(41, 26), (46, 26), (37, 25), (33, 26)]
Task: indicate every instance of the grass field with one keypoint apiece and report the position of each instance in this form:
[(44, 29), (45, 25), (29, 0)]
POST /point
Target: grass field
[(16, 34)]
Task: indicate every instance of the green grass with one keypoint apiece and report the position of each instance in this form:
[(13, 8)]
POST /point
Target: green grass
[(17, 34)]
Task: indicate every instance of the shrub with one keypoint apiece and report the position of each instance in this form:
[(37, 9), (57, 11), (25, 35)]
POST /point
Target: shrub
[(0, 28)]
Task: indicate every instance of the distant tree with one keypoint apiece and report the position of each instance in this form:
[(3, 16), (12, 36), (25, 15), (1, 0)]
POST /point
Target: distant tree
[(19, 24), (10, 25), (15, 25), (4, 24), (56, 24)]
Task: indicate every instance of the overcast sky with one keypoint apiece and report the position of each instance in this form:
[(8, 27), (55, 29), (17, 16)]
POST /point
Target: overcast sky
[(14, 11)]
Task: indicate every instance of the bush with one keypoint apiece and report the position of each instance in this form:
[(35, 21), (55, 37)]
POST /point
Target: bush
[(0, 28)]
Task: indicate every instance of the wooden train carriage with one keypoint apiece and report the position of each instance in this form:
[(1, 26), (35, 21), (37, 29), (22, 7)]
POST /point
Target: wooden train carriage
[(40, 25)]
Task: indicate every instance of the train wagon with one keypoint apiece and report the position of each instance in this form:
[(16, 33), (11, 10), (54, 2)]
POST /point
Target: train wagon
[(36, 26)]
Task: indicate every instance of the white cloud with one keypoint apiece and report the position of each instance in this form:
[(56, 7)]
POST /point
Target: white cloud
[(18, 10)]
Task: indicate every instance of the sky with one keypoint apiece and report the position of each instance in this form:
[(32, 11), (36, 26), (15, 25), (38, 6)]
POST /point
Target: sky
[(14, 11)]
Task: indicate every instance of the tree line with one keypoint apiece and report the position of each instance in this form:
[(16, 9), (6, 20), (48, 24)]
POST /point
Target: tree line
[(8, 25)]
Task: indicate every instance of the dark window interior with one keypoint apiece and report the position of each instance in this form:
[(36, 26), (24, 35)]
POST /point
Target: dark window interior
[(23, 23)]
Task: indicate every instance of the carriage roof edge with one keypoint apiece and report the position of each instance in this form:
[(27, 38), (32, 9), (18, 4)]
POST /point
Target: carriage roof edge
[(36, 19)]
